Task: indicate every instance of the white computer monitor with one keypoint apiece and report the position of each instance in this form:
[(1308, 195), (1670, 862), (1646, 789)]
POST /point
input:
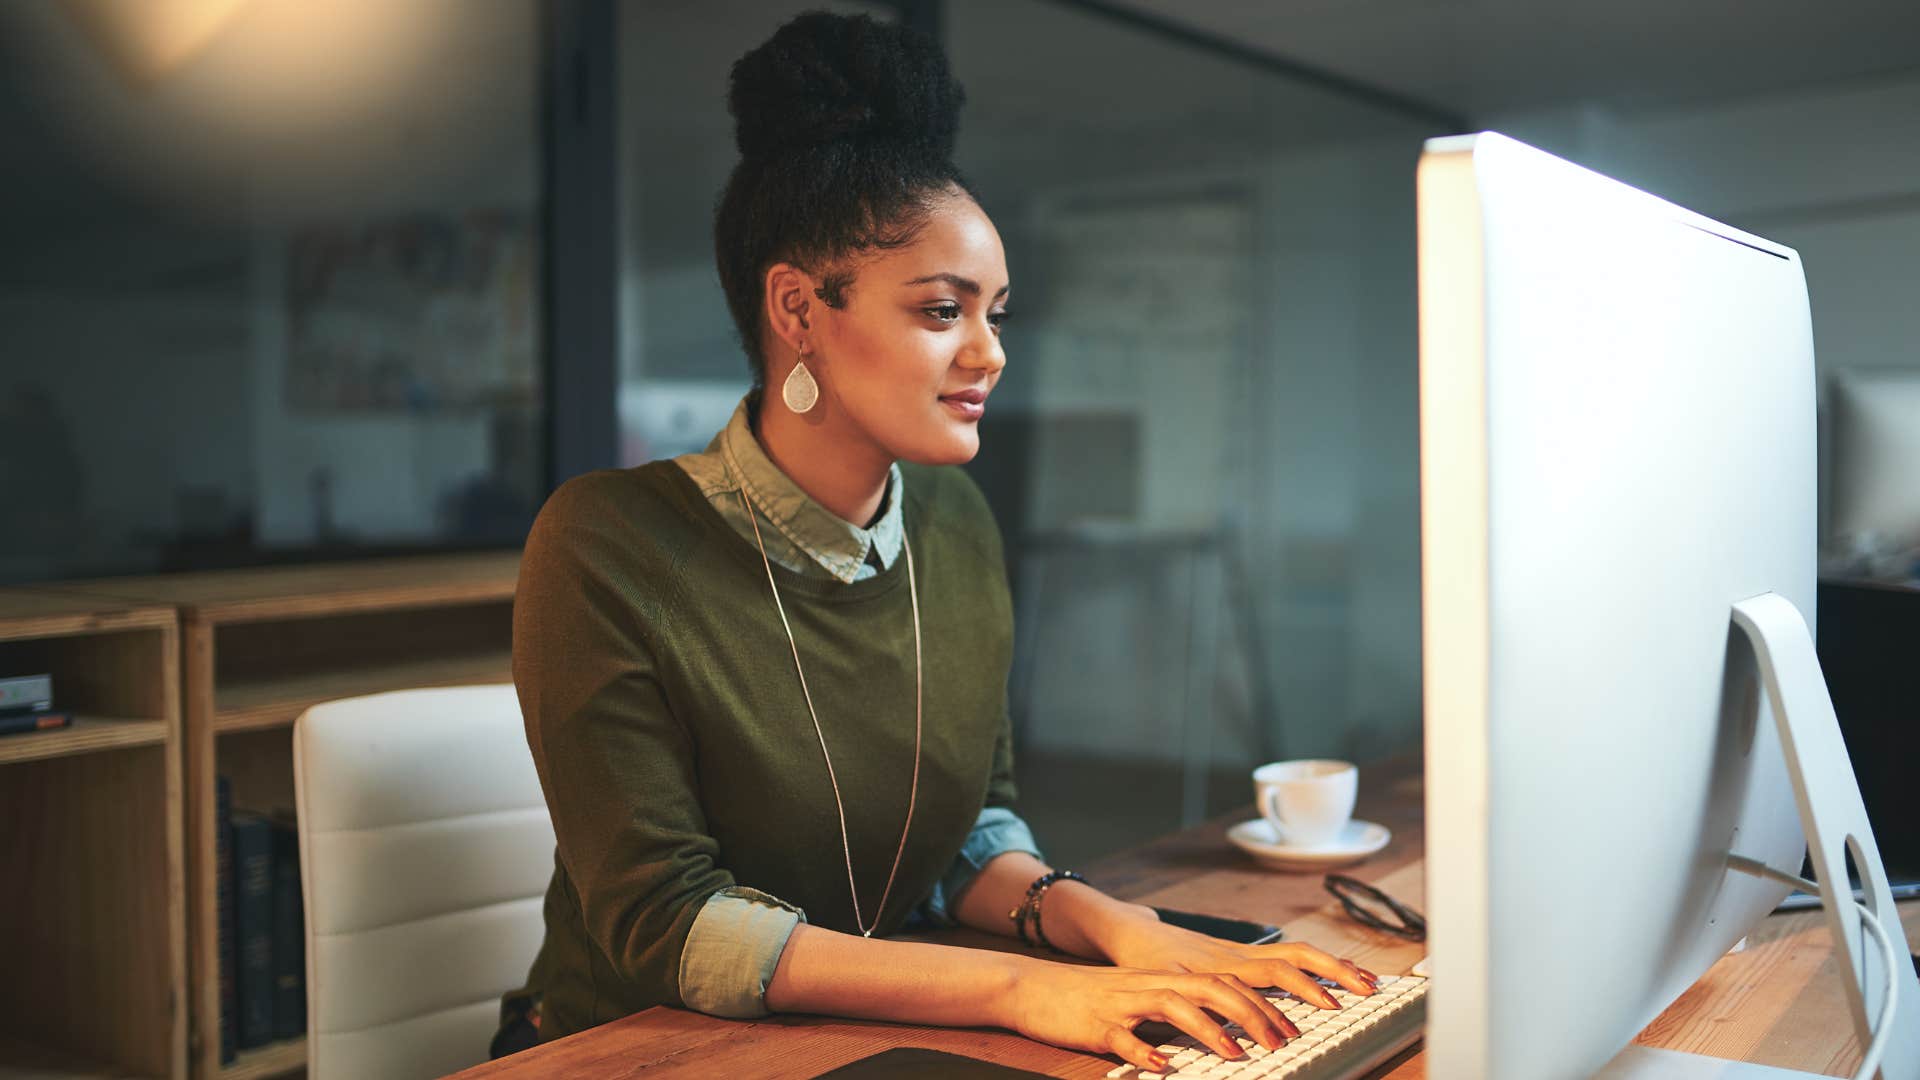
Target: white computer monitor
[(1617, 446)]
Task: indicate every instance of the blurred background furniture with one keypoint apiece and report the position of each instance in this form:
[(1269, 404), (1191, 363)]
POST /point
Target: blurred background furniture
[(1873, 500), (1868, 623), (1869, 639), (260, 647), (92, 867)]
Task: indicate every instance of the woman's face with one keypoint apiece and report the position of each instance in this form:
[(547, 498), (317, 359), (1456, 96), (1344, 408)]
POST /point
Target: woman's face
[(912, 354)]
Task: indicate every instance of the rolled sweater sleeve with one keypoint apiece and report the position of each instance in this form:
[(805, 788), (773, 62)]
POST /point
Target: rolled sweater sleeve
[(617, 768)]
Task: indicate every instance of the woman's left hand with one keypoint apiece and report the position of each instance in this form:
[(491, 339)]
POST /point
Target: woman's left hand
[(1288, 965)]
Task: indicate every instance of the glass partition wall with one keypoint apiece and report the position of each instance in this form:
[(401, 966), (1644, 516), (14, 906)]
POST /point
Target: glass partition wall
[(1202, 452), (1208, 473), (270, 282)]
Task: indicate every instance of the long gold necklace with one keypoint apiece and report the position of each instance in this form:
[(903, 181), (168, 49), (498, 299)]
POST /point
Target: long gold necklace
[(913, 590)]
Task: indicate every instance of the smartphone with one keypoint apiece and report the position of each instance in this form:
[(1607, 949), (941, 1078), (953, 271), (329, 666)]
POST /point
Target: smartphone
[(1246, 933)]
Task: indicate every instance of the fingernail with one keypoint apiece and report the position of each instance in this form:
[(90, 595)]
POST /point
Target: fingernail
[(1158, 1061)]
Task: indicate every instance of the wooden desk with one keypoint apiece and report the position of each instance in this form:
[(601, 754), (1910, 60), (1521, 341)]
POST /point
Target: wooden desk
[(1737, 1009)]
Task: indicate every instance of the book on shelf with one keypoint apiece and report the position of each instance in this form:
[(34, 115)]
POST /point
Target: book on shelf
[(228, 938), (253, 926), (289, 934), (263, 959), (21, 723)]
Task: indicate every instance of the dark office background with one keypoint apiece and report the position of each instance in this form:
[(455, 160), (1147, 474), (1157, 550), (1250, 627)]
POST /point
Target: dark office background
[(328, 281)]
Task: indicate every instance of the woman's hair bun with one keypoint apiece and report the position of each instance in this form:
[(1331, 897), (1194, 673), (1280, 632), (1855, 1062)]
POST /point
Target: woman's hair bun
[(823, 79)]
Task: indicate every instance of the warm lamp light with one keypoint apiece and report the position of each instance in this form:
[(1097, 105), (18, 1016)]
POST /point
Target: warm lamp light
[(151, 38)]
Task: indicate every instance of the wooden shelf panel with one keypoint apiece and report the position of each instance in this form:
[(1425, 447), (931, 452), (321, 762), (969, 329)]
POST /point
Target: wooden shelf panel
[(265, 703), (273, 1059), (26, 1061), (33, 613), (86, 735), (318, 589)]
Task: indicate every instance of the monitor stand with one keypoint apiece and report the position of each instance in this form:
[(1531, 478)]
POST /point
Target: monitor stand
[(1835, 820)]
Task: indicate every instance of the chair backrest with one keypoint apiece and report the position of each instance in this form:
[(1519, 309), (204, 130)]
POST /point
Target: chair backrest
[(425, 851)]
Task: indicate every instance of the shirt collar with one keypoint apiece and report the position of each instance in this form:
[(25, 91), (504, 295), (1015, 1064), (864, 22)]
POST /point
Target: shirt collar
[(835, 543)]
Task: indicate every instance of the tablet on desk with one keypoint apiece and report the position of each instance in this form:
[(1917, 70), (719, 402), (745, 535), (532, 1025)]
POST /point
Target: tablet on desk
[(919, 1063)]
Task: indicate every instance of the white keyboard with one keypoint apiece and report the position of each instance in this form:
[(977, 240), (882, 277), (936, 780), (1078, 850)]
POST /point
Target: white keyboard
[(1362, 1033)]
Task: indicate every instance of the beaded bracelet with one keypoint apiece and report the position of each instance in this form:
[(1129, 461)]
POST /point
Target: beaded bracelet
[(1030, 907)]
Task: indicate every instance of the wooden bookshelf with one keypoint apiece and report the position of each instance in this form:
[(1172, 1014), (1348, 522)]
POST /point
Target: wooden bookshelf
[(277, 701), (258, 647), (93, 909)]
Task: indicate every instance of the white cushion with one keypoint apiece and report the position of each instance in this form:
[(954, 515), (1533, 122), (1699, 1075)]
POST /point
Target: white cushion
[(1875, 489), (432, 1045), (425, 851)]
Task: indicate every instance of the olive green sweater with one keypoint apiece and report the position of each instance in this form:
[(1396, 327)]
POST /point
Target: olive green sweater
[(674, 745)]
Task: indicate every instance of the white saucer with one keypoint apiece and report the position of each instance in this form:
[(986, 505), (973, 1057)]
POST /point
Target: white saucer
[(1355, 842)]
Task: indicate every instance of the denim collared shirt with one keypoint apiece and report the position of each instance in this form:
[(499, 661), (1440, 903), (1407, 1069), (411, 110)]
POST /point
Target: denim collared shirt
[(737, 938), (799, 534)]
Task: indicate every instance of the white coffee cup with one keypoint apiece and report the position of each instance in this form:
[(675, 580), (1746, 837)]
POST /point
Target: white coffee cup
[(1308, 803)]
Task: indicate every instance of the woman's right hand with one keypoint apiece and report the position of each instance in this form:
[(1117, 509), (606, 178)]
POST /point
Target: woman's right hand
[(1096, 1009)]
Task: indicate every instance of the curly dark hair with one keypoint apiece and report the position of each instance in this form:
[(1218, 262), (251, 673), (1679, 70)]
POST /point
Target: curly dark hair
[(845, 127)]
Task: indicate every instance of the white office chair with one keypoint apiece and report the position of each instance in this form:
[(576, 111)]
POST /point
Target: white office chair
[(425, 849)]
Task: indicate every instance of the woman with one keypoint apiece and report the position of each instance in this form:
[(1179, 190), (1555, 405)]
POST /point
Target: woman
[(765, 684)]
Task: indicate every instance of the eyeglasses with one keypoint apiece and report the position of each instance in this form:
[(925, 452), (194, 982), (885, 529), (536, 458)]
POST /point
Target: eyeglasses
[(1364, 902)]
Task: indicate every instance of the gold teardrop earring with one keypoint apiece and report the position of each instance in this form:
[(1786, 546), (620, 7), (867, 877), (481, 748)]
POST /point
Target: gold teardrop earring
[(800, 391)]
